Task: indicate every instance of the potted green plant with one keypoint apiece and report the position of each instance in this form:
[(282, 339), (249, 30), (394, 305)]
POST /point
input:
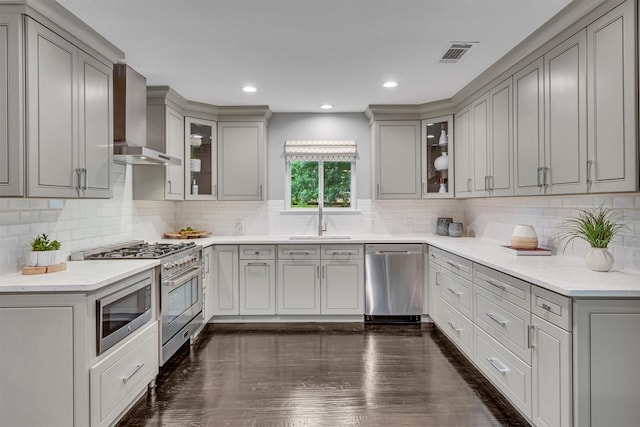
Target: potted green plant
[(596, 226), (44, 251)]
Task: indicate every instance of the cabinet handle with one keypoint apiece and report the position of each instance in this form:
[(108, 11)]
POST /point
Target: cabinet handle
[(453, 264), (497, 319), (433, 256), (531, 336), (538, 177), (135, 370), (498, 365), (318, 271), (86, 179), (215, 190), (78, 179), (437, 278), (491, 183), (340, 253), (545, 172), (299, 253), (454, 292), (169, 182), (377, 191), (262, 264), (486, 183), (497, 285), (260, 191), (589, 164), (423, 192), (546, 307), (454, 327), (468, 184), (323, 271)]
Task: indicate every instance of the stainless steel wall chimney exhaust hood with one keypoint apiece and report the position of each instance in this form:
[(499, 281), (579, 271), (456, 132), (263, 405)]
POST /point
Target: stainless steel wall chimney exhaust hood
[(130, 120)]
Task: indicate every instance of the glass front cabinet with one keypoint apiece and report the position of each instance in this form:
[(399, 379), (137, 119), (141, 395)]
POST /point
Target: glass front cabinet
[(437, 157), (200, 159)]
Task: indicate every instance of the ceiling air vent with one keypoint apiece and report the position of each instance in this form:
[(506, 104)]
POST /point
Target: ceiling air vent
[(455, 52)]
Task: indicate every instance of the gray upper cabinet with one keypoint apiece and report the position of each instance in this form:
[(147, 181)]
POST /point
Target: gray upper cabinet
[(11, 154), (566, 117), (463, 181), (174, 140), (69, 118), (397, 157), (480, 144), (612, 147), (500, 178), (241, 159), (528, 129), (56, 114)]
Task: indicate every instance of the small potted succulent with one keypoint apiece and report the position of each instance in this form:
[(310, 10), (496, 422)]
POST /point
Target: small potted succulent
[(597, 226), (44, 252)]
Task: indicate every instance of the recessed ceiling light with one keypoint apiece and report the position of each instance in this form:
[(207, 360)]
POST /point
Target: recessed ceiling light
[(249, 89), (326, 106), (390, 84)]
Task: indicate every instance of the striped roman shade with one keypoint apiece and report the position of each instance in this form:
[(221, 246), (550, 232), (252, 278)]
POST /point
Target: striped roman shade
[(337, 150)]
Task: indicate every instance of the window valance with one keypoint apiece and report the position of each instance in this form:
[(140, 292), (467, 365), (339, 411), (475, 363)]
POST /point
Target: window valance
[(336, 150)]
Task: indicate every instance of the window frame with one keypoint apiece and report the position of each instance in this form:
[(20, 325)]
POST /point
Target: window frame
[(287, 189)]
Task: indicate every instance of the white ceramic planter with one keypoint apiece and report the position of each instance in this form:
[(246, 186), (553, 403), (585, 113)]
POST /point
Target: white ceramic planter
[(599, 259), (43, 258)]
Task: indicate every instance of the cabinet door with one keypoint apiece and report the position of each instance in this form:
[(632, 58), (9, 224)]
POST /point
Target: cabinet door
[(11, 133), (463, 152), (298, 287), (241, 160), (611, 106), (52, 115), (96, 127), (501, 137), (174, 190), (434, 293), (480, 146), (342, 284), (397, 160), (551, 371), (566, 116), (207, 287), (528, 129), (257, 287), (200, 159), (225, 280)]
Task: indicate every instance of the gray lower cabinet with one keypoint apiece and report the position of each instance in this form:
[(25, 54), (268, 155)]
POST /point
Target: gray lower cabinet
[(225, 280), (397, 160), (257, 280), (463, 179), (342, 279), (208, 287), (241, 160), (69, 118), (434, 285), (298, 279)]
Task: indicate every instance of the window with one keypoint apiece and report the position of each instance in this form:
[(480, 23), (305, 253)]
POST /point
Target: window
[(320, 171)]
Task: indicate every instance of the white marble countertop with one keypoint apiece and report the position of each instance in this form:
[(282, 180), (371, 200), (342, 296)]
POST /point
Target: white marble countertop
[(80, 276), (562, 274)]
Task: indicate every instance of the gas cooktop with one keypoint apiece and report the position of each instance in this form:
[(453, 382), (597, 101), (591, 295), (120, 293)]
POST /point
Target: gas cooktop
[(133, 250)]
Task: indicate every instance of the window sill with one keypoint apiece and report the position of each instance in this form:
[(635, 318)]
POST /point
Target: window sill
[(325, 211)]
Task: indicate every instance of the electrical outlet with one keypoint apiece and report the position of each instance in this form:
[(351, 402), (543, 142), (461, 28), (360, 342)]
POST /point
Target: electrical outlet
[(238, 227)]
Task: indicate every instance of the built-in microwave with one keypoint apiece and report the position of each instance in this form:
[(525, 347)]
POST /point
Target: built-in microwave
[(122, 312)]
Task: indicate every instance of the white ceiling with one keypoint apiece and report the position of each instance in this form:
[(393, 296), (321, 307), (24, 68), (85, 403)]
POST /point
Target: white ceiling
[(304, 53)]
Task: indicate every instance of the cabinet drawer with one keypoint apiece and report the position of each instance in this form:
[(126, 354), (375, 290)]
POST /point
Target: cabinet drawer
[(257, 252), (457, 292), (298, 252), (507, 372), (435, 255), (118, 379), (505, 322), (552, 307), (457, 327), (458, 265), (342, 252), (509, 288)]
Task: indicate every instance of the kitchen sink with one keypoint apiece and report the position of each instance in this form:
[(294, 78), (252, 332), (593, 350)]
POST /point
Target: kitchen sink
[(326, 237)]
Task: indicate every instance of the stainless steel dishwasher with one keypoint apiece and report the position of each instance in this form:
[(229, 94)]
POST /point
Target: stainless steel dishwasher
[(393, 283)]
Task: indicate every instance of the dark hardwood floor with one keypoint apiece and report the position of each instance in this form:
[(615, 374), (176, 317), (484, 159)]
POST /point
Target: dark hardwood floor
[(321, 375)]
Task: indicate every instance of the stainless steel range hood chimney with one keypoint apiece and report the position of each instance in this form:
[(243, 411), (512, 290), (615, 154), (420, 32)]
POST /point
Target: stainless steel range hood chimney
[(130, 120)]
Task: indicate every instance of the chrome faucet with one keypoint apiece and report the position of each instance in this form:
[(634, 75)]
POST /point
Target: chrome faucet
[(321, 229)]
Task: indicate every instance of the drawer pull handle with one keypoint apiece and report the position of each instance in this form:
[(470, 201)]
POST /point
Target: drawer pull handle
[(453, 264), (454, 292), (340, 253), (299, 253), (497, 319), (135, 370), (497, 285), (437, 278), (433, 256), (546, 307), (498, 365), (253, 264), (454, 327)]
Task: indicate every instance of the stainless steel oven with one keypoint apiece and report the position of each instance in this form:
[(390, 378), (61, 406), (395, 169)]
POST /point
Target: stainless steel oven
[(180, 301), (121, 313)]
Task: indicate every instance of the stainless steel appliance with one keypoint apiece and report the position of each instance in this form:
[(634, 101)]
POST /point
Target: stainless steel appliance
[(393, 282), (121, 313), (180, 277)]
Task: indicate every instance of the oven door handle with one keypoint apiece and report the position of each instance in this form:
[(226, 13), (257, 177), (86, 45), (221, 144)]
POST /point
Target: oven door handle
[(193, 272)]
